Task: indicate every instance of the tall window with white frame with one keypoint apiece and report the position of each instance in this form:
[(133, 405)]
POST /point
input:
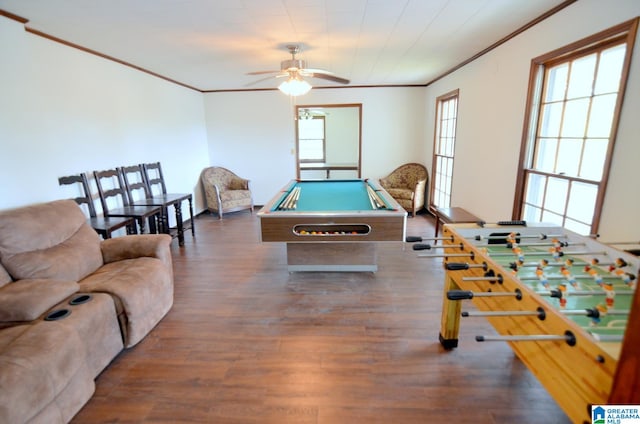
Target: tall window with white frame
[(444, 149), (575, 96)]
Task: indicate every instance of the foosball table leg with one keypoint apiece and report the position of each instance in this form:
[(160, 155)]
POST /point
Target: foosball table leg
[(451, 312)]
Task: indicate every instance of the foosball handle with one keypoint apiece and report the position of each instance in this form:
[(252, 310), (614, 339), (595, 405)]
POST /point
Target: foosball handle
[(459, 295), (421, 246), (413, 239), (456, 266)]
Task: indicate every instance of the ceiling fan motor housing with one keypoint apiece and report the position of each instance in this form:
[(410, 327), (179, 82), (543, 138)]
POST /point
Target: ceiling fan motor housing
[(293, 64)]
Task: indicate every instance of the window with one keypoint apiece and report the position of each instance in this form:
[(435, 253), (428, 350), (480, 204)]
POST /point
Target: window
[(443, 149), (311, 139), (575, 97)]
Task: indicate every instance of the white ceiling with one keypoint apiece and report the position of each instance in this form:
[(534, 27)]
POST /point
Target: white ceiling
[(212, 44)]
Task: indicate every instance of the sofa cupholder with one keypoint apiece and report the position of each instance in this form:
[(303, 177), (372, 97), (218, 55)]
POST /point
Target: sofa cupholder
[(79, 300), (57, 315)]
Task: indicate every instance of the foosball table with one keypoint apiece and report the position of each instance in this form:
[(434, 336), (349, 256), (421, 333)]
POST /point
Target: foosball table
[(565, 303)]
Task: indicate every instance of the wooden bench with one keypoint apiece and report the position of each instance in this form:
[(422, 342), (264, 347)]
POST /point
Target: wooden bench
[(454, 215)]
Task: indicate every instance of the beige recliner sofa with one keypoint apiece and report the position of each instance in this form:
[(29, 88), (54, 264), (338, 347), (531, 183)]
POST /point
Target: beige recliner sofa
[(69, 303)]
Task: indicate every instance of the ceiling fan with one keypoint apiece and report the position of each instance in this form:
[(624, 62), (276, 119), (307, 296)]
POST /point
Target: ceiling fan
[(295, 70)]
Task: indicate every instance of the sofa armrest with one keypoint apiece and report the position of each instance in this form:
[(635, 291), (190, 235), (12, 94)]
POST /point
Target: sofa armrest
[(136, 246), (26, 300)]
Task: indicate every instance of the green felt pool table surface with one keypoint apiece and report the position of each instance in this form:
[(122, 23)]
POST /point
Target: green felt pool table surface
[(331, 195)]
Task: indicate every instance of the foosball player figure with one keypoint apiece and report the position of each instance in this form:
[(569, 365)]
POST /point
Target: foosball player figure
[(563, 298), (626, 277), (556, 253), (566, 273), (596, 277), (610, 294), (542, 278), (518, 252), (601, 311)]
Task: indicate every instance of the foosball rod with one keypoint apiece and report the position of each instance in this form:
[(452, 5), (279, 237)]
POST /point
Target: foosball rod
[(448, 255), (443, 246), (562, 277), (497, 278), (568, 337), (540, 236), (578, 253), (611, 338), (507, 244), (559, 294), (414, 239), (468, 294), (536, 264), (540, 313)]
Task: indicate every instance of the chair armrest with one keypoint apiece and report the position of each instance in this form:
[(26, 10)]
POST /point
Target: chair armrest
[(419, 194), (238, 183), (26, 300), (385, 183), (137, 246)]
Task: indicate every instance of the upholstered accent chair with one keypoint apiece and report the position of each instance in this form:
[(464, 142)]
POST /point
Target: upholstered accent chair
[(225, 191), (407, 185)]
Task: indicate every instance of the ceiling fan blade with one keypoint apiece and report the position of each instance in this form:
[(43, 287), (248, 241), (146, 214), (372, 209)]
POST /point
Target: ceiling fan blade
[(262, 72), (270, 77), (314, 73)]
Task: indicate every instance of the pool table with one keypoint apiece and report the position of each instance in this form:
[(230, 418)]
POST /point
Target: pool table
[(332, 225)]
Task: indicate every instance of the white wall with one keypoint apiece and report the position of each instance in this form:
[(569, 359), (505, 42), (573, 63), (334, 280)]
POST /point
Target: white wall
[(63, 111), (253, 133), (493, 91)]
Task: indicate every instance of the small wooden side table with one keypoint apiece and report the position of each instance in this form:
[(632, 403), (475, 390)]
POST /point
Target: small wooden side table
[(453, 215)]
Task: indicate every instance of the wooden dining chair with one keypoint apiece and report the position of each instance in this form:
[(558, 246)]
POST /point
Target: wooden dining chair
[(103, 225), (111, 188), (154, 179)]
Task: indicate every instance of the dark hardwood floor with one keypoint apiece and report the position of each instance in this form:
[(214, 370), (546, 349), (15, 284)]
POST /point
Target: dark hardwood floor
[(249, 342)]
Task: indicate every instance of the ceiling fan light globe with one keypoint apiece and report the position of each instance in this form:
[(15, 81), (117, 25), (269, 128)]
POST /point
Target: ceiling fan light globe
[(294, 87)]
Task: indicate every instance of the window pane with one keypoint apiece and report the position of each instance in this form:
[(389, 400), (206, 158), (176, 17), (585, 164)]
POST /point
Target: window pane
[(551, 118), (311, 128), (552, 218), (577, 227), (311, 150), (569, 156), (601, 115), (556, 195), (582, 201), (556, 82), (581, 77), (595, 153), (531, 213), (535, 189), (546, 155), (610, 69), (573, 99), (575, 118), (444, 150)]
